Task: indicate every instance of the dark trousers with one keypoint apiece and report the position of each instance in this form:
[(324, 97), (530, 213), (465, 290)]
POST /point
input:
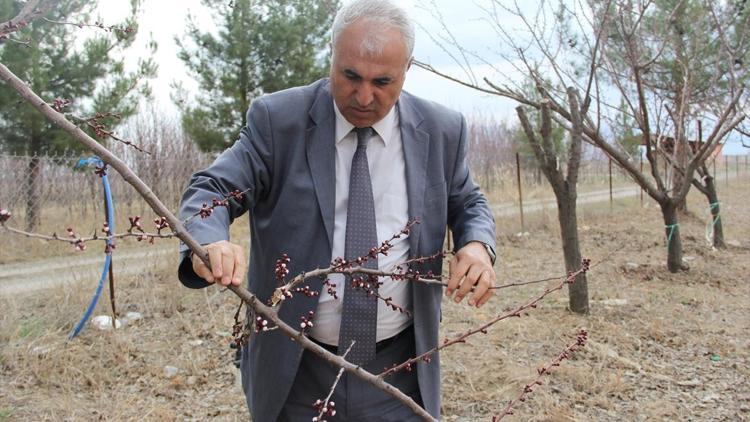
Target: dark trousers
[(355, 399)]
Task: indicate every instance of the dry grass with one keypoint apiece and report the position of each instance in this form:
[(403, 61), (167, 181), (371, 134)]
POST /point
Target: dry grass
[(119, 375), (648, 359)]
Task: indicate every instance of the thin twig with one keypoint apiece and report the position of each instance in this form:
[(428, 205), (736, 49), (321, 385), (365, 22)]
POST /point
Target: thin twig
[(98, 25), (55, 237), (483, 329), (339, 265), (327, 407), (102, 132), (581, 339)]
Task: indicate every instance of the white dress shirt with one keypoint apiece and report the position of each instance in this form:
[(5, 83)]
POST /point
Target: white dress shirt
[(385, 158)]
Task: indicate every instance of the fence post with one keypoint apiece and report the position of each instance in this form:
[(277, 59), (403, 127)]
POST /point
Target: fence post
[(639, 185), (737, 166), (726, 169), (520, 192), (611, 200)]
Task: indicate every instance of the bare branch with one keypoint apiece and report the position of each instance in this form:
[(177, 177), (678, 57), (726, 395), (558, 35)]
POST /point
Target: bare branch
[(424, 357), (581, 339), (82, 240), (576, 133), (99, 25), (179, 230), (326, 406), (30, 11)]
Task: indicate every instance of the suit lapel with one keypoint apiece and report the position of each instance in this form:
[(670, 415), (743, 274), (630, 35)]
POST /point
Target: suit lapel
[(416, 150), (321, 152)]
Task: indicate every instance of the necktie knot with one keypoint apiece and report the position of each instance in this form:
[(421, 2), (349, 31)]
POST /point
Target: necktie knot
[(363, 135)]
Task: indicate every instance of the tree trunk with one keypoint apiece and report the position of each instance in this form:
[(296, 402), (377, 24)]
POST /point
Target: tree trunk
[(578, 293), (678, 25), (713, 203), (674, 244)]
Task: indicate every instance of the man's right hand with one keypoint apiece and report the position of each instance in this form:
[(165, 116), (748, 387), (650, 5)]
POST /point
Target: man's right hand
[(228, 264)]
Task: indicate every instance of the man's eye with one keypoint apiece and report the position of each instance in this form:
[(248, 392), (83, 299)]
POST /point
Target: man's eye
[(382, 82)]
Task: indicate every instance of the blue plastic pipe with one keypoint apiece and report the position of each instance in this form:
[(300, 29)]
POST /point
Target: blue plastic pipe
[(96, 161)]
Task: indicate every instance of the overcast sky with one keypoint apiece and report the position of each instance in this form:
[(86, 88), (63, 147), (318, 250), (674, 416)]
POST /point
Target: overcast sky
[(162, 20)]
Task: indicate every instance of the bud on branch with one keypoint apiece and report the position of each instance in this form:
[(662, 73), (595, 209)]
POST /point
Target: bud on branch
[(581, 339)]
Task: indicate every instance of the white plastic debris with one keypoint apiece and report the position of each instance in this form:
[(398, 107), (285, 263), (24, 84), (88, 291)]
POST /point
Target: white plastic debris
[(134, 316), (614, 302), (170, 371), (131, 317), (104, 322), (41, 350), (195, 343)]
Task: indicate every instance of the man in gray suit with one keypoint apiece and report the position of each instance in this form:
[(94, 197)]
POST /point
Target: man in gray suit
[(294, 159)]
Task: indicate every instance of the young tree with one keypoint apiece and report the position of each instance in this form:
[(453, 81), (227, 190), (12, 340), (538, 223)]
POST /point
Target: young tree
[(259, 47), (630, 50), (90, 74), (525, 147), (564, 186)]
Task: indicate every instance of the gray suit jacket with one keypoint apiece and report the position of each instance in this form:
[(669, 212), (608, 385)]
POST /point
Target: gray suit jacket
[(285, 159)]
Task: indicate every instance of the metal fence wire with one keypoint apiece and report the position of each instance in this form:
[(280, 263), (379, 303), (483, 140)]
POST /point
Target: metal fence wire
[(46, 186)]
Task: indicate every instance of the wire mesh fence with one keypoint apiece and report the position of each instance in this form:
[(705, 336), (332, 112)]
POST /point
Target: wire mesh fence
[(49, 193), (52, 191), (55, 185)]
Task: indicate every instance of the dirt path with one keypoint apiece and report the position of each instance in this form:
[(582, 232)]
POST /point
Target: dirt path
[(29, 276), (22, 277), (34, 275), (507, 209)]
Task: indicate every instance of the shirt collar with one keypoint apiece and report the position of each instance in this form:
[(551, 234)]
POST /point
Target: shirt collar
[(384, 127)]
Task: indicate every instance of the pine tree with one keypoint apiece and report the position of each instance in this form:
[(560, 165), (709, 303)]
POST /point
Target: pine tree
[(259, 47), (64, 61)]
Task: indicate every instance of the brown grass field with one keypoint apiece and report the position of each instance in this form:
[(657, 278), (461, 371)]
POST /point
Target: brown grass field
[(662, 346)]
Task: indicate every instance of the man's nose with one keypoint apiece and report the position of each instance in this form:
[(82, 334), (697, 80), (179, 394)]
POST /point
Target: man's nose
[(364, 95)]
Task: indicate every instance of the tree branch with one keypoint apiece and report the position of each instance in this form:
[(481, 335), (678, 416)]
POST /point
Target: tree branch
[(585, 265), (30, 11), (179, 230), (581, 339)]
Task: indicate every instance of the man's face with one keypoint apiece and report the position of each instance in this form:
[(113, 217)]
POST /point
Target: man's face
[(366, 86)]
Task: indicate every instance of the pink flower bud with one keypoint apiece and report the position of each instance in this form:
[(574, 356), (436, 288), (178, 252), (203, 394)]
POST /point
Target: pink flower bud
[(4, 215)]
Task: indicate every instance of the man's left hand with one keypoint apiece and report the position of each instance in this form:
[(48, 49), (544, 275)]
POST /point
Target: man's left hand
[(471, 267)]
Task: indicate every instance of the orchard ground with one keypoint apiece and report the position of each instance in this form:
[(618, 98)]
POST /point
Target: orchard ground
[(661, 346)]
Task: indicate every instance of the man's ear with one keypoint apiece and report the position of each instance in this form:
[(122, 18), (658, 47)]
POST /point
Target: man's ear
[(408, 64)]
